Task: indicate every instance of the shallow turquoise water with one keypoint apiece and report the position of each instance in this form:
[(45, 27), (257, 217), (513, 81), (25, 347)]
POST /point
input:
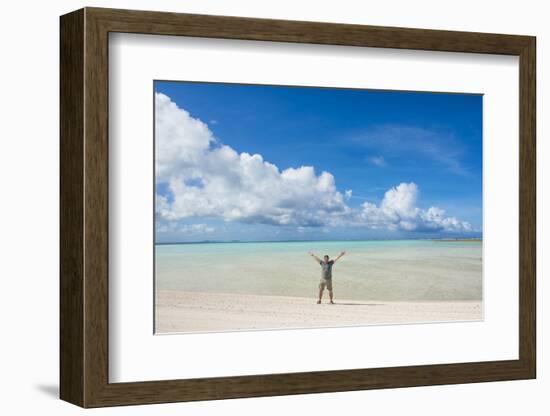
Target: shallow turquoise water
[(407, 270)]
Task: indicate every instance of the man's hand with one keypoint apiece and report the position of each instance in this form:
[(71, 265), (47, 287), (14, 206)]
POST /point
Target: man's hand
[(340, 255), (314, 256)]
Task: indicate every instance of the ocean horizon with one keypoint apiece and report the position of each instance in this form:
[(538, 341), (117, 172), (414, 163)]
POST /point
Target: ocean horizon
[(465, 239)]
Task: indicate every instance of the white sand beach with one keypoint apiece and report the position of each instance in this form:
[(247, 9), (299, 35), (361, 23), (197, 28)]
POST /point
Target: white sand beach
[(186, 311)]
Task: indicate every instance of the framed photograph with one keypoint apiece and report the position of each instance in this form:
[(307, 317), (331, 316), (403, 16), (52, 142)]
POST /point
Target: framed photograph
[(254, 207)]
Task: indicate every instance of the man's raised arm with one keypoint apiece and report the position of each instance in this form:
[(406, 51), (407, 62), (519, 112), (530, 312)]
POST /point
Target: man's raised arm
[(339, 256), (317, 259)]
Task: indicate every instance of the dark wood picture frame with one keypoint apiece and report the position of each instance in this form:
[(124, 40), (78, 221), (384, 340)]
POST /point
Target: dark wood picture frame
[(84, 207)]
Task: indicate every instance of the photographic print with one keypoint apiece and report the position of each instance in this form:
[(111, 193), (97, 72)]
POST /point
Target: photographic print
[(280, 207)]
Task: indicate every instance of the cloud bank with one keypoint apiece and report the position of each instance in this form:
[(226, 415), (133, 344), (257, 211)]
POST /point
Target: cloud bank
[(208, 179), (398, 211)]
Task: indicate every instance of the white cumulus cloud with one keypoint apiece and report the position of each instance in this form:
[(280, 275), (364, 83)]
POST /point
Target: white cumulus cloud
[(398, 210), (208, 179)]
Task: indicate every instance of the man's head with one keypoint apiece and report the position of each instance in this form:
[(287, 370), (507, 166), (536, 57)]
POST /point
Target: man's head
[(325, 258)]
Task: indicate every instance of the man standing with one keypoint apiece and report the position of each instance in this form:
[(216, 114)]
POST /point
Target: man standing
[(326, 274)]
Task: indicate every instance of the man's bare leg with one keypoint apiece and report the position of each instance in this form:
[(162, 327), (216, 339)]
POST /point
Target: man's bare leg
[(330, 295), (320, 295)]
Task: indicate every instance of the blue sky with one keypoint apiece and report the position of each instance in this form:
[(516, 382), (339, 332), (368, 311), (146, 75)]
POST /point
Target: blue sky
[(369, 141)]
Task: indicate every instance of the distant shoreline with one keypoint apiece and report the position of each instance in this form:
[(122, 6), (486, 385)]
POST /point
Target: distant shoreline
[(458, 240), (439, 240)]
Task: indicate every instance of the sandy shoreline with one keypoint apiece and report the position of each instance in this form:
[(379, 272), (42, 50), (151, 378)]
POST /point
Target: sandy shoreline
[(182, 311)]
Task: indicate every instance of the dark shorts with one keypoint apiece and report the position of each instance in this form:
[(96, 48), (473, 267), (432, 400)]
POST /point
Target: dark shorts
[(325, 283)]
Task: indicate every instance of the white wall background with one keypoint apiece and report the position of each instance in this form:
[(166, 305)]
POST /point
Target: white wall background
[(29, 207)]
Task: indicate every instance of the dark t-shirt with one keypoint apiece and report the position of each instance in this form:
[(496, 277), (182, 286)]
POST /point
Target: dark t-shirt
[(326, 269)]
